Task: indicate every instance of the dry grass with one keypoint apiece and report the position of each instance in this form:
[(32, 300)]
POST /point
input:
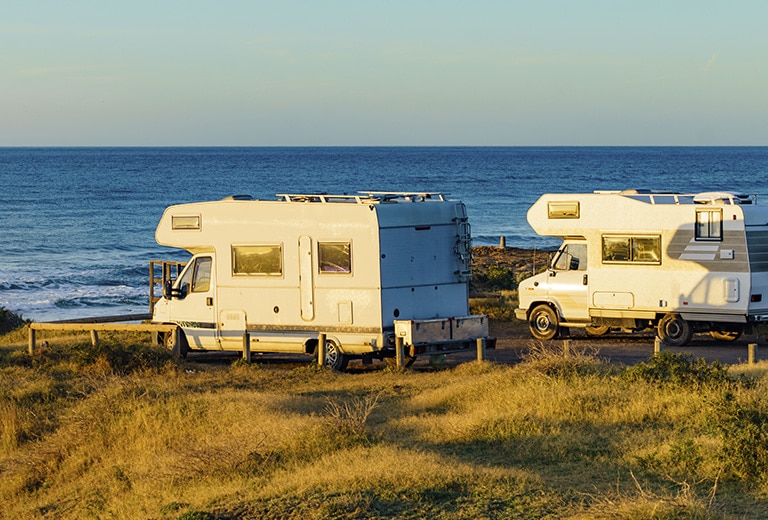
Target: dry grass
[(89, 433)]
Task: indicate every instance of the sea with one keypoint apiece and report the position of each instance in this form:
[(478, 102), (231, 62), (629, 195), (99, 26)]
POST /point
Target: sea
[(77, 224)]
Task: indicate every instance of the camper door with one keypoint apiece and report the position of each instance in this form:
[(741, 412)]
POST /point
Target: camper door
[(192, 305), (568, 282)]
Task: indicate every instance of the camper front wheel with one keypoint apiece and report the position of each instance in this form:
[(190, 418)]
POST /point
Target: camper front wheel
[(543, 322), (179, 350), (334, 358), (674, 331)]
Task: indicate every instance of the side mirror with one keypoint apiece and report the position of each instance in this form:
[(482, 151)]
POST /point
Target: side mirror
[(169, 292), (168, 289)]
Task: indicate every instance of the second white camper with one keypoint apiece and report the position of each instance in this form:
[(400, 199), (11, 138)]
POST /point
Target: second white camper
[(359, 269), (638, 259)]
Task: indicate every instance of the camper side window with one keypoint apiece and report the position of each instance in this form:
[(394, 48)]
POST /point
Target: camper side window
[(632, 249), (257, 260), (334, 257), (709, 224), (201, 280), (572, 257)]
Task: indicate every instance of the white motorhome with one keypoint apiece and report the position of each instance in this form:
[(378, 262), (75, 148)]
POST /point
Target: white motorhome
[(358, 269), (638, 259)]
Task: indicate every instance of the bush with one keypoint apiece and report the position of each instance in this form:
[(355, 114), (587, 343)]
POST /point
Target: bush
[(679, 369), (10, 320), (743, 424)]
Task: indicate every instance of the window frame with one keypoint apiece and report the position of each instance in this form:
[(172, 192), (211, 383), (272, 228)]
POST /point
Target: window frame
[(320, 255), (235, 258), (201, 263), (632, 249), (699, 224)]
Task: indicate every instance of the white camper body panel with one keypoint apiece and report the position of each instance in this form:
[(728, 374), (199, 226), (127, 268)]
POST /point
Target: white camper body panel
[(649, 255), (285, 271)]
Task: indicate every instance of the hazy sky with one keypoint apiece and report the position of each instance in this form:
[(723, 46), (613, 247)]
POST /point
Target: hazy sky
[(368, 72)]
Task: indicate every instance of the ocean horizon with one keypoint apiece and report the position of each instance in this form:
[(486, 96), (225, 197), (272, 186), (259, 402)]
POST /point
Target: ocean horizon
[(78, 222)]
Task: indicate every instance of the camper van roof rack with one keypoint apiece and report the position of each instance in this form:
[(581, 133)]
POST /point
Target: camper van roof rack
[(408, 196), (364, 197), (671, 197)]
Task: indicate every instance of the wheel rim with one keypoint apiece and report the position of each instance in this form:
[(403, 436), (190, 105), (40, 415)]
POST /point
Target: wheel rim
[(674, 330), (331, 355), (542, 323)]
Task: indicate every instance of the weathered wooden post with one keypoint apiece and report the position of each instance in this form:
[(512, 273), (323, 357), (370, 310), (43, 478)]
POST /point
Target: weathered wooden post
[(658, 345), (566, 347), (94, 338), (321, 350), (752, 353), (31, 340), (247, 347), (503, 242), (399, 353), (481, 349), (176, 347)]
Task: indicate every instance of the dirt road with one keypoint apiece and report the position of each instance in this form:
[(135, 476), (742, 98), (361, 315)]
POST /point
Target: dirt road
[(513, 340)]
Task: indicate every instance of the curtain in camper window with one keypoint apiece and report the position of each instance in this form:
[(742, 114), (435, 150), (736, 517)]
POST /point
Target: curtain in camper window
[(709, 224)]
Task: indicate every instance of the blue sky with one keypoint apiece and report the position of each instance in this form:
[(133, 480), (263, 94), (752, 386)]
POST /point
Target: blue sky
[(368, 72)]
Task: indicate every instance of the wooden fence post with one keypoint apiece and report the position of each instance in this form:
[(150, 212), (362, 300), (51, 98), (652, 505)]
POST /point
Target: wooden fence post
[(399, 353), (481, 349), (31, 340), (566, 347), (321, 350), (752, 353), (658, 345), (247, 347)]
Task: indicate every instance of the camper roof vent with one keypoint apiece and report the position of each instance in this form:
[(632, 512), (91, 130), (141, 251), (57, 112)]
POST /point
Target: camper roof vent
[(238, 197), (722, 197)]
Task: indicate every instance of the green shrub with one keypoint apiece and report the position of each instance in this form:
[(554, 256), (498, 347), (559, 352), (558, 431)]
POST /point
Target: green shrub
[(743, 424), (501, 277), (10, 320), (679, 369)]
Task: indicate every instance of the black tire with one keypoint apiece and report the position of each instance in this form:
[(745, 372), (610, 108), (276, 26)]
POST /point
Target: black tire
[(543, 322), (674, 331), (407, 360), (727, 333), (182, 349), (597, 331), (334, 358)]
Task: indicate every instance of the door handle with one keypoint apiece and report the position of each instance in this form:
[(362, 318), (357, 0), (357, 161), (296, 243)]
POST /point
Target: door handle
[(209, 301), (584, 280)]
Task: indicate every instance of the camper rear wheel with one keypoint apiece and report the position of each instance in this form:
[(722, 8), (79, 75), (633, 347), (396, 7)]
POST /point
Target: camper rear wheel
[(543, 322), (334, 358), (727, 333), (597, 331), (408, 360), (674, 331)]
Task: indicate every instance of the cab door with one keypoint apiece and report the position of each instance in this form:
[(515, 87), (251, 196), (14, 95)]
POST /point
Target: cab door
[(193, 303), (568, 282)]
